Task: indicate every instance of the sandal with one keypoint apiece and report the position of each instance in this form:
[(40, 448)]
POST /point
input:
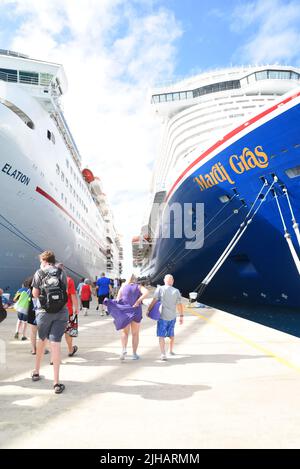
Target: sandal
[(33, 353), (75, 348), (35, 376), (59, 388)]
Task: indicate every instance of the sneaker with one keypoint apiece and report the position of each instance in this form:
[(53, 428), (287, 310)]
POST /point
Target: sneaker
[(163, 357), (135, 356), (16, 336), (172, 354), (24, 338), (123, 354)]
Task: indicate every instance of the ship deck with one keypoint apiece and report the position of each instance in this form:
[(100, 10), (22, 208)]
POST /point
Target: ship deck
[(232, 384)]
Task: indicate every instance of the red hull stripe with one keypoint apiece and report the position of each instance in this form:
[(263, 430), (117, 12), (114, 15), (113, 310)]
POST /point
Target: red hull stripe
[(51, 199), (229, 136)]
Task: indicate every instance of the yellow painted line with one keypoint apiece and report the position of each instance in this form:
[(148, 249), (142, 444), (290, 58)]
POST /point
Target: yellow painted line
[(250, 342)]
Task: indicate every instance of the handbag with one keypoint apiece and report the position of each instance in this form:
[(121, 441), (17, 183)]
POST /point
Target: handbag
[(72, 327)]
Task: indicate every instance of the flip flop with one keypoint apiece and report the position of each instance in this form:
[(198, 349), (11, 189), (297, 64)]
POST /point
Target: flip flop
[(75, 348), (59, 388), (35, 376)]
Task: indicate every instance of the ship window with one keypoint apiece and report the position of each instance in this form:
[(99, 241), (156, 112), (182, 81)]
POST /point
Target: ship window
[(262, 75), (279, 74), (162, 98), (45, 79), (294, 76), (224, 199), (293, 172), (7, 74), (175, 96), (29, 78), (18, 112)]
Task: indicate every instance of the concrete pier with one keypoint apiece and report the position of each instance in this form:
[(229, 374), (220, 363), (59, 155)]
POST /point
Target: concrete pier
[(232, 384)]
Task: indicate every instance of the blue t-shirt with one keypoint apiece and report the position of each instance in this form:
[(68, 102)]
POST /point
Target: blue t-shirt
[(103, 286)]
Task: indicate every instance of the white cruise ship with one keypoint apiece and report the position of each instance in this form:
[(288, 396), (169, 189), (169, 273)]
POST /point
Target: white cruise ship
[(47, 200)]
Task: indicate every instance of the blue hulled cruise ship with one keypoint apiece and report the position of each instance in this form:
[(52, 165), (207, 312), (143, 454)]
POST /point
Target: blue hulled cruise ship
[(231, 142)]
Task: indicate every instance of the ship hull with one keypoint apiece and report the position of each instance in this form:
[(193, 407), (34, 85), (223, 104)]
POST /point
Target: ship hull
[(259, 279)]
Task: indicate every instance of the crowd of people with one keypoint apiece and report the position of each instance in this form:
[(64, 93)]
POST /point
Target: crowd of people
[(50, 303)]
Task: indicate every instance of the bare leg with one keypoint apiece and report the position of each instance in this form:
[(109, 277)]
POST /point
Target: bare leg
[(162, 344), (124, 337), (24, 327), (135, 329), (172, 340), (18, 326), (56, 357), (33, 332), (69, 341), (39, 354)]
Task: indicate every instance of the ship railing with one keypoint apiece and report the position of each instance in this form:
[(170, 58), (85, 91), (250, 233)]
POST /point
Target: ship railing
[(64, 130), (24, 79)]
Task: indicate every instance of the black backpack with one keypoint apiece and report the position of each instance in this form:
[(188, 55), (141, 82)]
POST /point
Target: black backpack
[(53, 291)]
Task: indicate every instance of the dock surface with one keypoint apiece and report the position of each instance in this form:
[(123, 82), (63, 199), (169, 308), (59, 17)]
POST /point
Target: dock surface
[(232, 384)]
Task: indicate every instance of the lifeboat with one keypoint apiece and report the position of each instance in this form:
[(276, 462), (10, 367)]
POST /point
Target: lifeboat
[(88, 175)]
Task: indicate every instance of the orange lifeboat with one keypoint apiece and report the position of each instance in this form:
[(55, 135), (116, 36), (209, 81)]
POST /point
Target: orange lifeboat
[(88, 175)]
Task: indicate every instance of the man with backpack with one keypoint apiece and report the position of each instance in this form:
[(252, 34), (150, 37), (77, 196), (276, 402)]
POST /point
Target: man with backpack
[(50, 297)]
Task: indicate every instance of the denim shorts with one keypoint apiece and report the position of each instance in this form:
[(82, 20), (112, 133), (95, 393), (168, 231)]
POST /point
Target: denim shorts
[(52, 326), (165, 328), (22, 317)]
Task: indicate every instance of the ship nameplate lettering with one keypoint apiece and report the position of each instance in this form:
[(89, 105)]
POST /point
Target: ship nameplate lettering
[(16, 174), (239, 164)]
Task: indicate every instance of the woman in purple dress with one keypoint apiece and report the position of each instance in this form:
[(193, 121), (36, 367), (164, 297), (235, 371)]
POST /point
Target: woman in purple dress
[(131, 293)]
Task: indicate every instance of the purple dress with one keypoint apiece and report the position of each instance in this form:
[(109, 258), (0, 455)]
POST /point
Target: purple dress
[(122, 311)]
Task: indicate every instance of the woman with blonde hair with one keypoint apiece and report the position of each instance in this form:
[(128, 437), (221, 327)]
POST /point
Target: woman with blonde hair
[(129, 300)]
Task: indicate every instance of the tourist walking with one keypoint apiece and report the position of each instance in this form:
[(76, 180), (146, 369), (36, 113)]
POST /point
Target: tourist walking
[(131, 295), (50, 297), (32, 320), (21, 305), (86, 296), (78, 289), (72, 325), (171, 301), (103, 288)]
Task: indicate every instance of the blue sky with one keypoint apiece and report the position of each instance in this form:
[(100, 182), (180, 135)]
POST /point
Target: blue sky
[(114, 53)]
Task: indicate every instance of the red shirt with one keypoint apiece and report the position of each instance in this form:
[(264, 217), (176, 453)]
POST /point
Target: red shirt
[(71, 290), (85, 293)]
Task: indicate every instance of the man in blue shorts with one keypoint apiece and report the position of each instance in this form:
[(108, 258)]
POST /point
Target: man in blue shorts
[(170, 299), (103, 288)]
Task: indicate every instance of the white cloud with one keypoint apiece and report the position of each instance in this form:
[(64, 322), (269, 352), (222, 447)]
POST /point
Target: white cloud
[(113, 52), (271, 29)]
